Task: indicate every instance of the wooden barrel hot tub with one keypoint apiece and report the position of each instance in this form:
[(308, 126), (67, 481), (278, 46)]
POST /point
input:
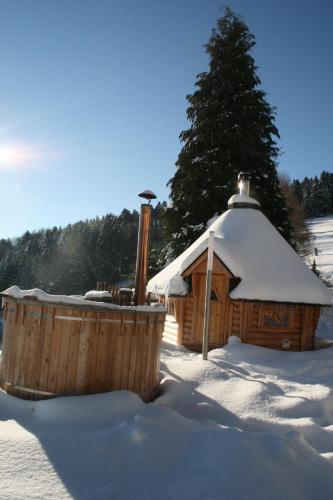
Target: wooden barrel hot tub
[(51, 349)]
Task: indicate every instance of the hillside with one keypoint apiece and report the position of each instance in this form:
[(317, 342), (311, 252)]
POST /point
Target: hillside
[(322, 246)]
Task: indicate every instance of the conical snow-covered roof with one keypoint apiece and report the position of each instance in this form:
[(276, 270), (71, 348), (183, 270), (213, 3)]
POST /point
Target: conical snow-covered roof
[(254, 251)]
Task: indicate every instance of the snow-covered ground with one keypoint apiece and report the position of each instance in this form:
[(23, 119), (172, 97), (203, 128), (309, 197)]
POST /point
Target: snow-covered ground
[(322, 233), (249, 423)]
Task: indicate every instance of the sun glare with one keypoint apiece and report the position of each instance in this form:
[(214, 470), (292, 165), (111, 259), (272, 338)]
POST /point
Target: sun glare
[(18, 155), (9, 154)]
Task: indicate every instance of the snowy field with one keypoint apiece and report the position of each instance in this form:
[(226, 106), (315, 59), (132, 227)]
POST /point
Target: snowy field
[(322, 232), (248, 424)]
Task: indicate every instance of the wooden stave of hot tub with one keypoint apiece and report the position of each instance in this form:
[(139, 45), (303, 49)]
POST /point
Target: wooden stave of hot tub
[(52, 349)]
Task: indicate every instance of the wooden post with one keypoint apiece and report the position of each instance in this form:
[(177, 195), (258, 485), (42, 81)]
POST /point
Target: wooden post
[(208, 293), (142, 255)]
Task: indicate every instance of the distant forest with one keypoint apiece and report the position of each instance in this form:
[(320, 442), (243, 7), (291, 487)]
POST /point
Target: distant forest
[(315, 194), (72, 259)]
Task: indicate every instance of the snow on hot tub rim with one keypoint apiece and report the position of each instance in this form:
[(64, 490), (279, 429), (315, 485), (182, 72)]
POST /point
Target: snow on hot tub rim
[(38, 295)]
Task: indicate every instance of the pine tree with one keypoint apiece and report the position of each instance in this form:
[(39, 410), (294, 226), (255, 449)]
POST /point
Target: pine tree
[(157, 239), (326, 180), (297, 188), (232, 130), (300, 232), (316, 204), (315, 194)]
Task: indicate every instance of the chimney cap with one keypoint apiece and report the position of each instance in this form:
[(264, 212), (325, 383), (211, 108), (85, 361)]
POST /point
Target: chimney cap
[(244, 176), (243, 199), (147, 194)]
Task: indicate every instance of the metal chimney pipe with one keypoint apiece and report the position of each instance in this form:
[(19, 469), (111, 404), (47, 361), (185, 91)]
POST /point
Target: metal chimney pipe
[(142, 255), (244, 183), (143, 249)]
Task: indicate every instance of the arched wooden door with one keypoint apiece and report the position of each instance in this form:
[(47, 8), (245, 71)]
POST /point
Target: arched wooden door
[(218, 309)]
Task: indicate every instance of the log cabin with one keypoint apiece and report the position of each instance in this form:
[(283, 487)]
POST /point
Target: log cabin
[(262, 291)]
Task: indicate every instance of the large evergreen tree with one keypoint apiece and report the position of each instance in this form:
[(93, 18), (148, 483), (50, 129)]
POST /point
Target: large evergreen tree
[(232, 130)]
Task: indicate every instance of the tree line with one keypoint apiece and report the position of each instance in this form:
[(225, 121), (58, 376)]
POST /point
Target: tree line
[(315, 194), (71, 260)]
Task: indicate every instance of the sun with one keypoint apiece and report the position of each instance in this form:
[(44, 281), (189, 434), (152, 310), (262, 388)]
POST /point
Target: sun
[(17, 155), (10, 155)]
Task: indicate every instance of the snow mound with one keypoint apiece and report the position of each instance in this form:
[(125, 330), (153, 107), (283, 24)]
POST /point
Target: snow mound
[(115, 446), (97, 294), (234, 340)]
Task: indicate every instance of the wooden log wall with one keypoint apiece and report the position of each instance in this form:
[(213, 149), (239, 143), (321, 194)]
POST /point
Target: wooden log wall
[(292, 327), (189, 322), (297, 334), (51, 350), (246, 320), (193, 304)]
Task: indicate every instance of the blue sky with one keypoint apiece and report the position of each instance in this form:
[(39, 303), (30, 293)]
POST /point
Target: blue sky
[(92, 97)]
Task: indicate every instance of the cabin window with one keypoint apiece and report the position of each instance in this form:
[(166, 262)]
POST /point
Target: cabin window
[(233, 282), (213, 295), (276, 319)]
